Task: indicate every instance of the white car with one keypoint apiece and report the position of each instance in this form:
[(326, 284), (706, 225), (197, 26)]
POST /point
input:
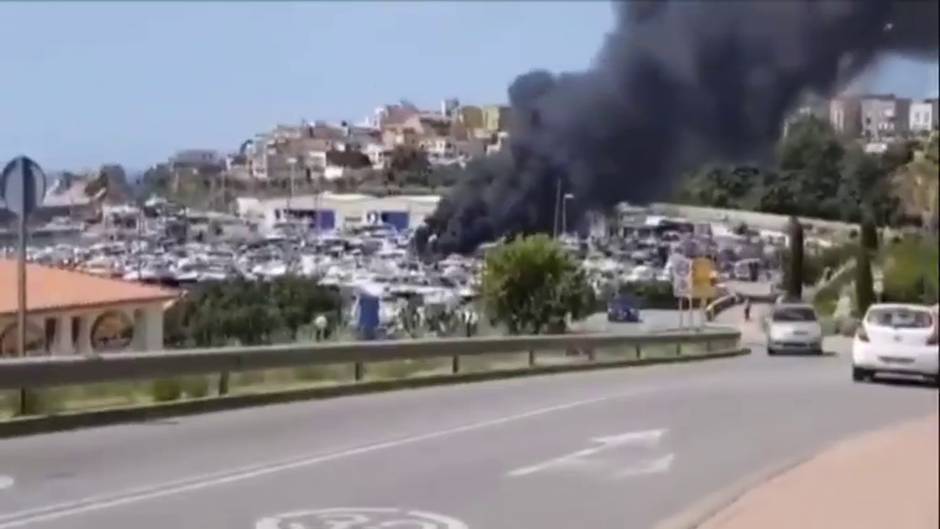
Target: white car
[(793, 328), (897, 339)]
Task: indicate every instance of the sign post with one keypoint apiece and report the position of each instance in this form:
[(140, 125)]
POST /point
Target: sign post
[(681, 283), (22, 188), (702, 288)]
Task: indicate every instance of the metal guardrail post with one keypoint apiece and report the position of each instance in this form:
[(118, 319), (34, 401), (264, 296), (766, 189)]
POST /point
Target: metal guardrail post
[(24, 402), (639, 352), (708, 346), (678, 348), (455, 365), (360, 371), (223, 383), (531, 358)]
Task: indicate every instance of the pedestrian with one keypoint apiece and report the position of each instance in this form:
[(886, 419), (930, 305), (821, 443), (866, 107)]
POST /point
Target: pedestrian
[(472, 320), (747, 309), (320, 323)]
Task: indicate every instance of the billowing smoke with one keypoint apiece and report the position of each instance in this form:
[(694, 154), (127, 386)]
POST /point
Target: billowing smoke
[(676, 84)]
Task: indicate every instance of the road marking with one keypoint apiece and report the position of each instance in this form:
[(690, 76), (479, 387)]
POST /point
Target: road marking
[(6, 482), (360, 518), (654, 466), (644, 438), (204, 481)]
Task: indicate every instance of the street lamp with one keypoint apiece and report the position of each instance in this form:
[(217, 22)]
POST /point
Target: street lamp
[(564, 213)]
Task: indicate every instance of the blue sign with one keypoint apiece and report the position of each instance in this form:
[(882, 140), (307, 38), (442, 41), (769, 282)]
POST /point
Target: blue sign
[(22, 186)]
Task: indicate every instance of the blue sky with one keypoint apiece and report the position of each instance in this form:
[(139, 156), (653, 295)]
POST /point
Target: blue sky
[(88, 83)]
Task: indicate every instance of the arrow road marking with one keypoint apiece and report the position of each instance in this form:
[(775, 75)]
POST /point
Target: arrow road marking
[(645, 438), (654, 466), (6, 482)]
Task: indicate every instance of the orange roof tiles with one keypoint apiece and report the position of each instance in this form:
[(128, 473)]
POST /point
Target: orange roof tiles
[(50, 289)]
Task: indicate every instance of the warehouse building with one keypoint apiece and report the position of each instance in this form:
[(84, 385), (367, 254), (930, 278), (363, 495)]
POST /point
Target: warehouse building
[(330, 211)]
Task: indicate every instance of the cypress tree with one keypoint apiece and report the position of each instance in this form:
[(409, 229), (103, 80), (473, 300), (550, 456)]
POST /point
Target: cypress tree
[(794, 285), (864, 284)]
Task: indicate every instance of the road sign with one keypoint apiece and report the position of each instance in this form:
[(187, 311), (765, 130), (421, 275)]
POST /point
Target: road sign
[(681, 276), (22, 186), (702, 272)]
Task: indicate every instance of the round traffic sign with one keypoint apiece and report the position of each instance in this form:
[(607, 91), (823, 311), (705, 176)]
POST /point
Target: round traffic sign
[(22, 185)]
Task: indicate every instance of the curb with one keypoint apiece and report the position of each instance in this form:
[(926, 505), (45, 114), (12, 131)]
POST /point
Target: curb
[(705, 509), (85, 419)]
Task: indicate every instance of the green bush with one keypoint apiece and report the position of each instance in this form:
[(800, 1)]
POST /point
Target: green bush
[(651, 294), (166, 389), (911, 271), (531, 285), (196, 387)]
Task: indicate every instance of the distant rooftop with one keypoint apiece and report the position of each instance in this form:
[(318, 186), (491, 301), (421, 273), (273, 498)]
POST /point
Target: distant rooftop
[(52, 289)]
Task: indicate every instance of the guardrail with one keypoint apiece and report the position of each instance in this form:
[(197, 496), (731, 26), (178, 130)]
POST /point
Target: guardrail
[(720, 305), (39, 372)]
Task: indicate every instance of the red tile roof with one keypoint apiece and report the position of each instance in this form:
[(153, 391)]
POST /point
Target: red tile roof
[(49, 289)]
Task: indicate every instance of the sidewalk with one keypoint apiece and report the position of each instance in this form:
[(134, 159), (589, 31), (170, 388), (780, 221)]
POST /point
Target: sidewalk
[(883, 480)]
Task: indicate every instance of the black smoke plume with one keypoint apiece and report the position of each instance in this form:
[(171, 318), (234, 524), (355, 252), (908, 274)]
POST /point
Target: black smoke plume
[(676, 84)]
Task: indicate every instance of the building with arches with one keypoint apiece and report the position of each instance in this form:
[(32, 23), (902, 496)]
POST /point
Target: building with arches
[(71, 312)]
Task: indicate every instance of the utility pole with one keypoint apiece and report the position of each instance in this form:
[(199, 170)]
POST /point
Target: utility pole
[(557, 208), (564, 213)]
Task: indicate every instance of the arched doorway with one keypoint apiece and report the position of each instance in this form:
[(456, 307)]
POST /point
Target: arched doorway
[(35, 341), (112, 332)]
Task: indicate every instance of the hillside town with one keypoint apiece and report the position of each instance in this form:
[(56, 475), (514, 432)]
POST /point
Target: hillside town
[(339, 204)]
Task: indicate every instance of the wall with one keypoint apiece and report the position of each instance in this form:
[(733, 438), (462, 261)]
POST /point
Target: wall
[(767, 221), (348, 208), (73, 328), (923, 116)]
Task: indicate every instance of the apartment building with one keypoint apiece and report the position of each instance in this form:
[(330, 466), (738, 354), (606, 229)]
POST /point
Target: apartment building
[(924, 116), (495, 118), (884, 116), (845, 116)]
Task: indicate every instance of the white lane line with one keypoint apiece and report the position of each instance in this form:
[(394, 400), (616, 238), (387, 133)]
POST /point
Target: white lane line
[(199, 482), (654, 466), (6, 482), (646, 438)]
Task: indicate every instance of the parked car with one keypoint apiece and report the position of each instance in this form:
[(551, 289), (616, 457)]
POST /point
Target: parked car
[(793, 328), (623, 309), (897, 339)]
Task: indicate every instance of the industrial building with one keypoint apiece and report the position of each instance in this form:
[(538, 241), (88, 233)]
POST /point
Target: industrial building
[(328, 211)]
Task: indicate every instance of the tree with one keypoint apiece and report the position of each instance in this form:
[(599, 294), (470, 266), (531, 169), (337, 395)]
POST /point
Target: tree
[(531, 285), (816, 175), (408, 165), (869, 235), (246, 312), (864, 284), (795, 276)]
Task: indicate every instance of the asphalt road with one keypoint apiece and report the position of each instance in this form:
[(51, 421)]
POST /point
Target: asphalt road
[(604, 450)]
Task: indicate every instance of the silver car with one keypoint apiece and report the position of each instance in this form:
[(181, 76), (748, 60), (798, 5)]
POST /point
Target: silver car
[(793, 328)]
